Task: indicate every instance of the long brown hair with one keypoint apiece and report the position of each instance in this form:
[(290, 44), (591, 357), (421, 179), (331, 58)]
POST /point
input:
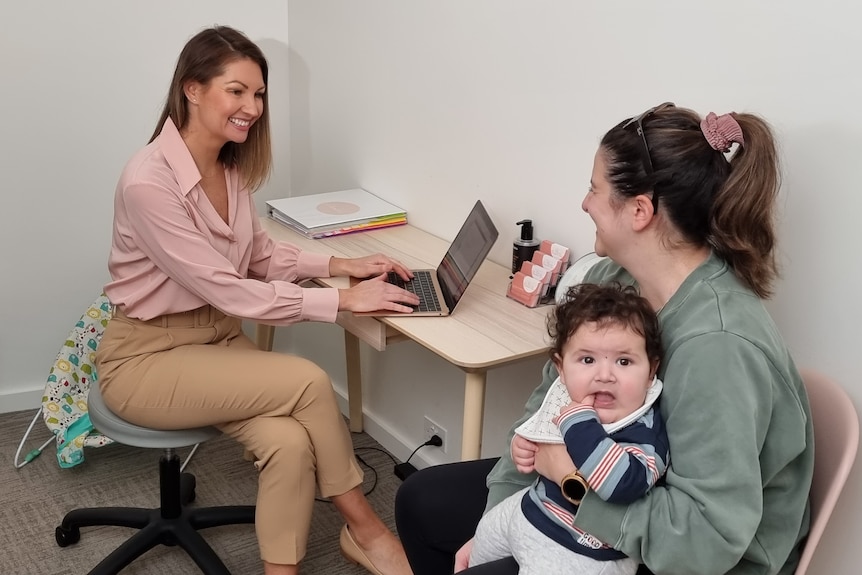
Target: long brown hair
[(203, 58), (728, 204)]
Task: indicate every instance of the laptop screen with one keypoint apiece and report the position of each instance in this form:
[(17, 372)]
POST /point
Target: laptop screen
[(467, 252)]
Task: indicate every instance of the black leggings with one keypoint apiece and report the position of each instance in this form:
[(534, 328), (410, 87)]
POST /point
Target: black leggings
[(436, 512)]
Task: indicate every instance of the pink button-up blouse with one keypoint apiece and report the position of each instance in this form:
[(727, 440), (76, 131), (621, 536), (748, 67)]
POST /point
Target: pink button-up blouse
[(171, 251)]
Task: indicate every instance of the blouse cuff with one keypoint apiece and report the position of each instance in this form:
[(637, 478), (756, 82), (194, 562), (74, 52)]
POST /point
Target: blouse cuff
[(312, 265), (319, 304)]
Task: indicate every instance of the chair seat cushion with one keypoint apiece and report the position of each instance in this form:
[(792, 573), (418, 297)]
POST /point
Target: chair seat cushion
[(130, 434)]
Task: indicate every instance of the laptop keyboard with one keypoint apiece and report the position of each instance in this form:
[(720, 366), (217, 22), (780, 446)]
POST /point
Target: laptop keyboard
[(422, 285)]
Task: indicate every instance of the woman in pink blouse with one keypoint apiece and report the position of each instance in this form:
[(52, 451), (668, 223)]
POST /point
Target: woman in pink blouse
[(189, 261)]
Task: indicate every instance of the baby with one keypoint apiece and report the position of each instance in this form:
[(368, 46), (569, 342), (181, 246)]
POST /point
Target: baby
[(606, 348)]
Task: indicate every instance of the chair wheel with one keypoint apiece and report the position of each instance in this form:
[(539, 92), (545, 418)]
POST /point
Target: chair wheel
[(187, 488), (66, 537)]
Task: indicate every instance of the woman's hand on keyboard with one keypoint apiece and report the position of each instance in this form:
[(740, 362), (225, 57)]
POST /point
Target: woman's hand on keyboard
[(368, 266), (376, 294)]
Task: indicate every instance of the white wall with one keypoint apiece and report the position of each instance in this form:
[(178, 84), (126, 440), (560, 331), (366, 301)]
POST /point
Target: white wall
[(420, 102), (435, 103), (83, 85)]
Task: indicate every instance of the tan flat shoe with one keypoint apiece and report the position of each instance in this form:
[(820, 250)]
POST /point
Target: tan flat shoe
[(354, 553)]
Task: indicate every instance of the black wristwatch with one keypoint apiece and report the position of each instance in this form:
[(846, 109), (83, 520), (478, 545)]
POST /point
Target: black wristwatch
[(574, 487)]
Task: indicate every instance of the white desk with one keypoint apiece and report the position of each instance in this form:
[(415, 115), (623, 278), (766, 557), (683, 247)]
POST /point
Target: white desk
[(486, 330)]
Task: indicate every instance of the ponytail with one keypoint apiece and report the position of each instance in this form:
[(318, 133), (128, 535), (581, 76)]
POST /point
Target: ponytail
[(710, 200), (741, 222)]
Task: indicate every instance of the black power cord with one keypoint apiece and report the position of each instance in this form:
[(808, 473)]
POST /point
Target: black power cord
[(366, 464), (406, 469), (402, 470)]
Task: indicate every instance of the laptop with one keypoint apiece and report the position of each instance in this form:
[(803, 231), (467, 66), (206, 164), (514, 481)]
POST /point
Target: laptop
[(440, 290)]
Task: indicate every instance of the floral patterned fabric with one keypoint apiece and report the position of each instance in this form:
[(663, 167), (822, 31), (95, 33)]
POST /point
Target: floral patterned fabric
[(64, 404)]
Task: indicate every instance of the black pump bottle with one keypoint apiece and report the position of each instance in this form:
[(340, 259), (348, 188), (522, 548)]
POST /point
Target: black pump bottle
[(524, 247)]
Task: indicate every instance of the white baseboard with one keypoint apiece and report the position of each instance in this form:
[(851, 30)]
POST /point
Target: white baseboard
[(389, 438), (21, 399)]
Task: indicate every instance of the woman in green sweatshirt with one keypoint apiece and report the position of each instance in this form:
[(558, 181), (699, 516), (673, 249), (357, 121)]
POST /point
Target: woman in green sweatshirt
[(683, 209)]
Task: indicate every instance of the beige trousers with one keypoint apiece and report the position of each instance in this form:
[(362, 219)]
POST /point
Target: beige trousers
[(196, 369)]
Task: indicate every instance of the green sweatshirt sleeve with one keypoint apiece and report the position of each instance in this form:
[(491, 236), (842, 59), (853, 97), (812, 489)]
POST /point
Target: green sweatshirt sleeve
[(719, 402), (504, 480)]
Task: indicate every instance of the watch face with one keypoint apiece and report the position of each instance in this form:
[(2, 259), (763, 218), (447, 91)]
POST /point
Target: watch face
[(574, 487)]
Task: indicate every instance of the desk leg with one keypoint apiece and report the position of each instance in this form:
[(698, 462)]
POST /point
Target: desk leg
[(474, 413), (264, 336), (354, 381)]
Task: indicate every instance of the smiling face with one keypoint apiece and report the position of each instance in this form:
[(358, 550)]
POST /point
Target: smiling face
[(603, 208), (225, 109), (610, 363)]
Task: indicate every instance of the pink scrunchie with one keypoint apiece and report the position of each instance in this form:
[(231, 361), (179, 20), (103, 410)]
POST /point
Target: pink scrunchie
[(721, 131)]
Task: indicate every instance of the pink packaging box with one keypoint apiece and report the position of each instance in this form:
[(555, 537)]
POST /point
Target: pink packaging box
[(536, 271), (525, 289), (559, 251), (549, 262)]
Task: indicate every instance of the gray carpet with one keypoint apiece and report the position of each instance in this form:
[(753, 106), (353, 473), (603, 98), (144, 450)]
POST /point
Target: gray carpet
[(34, 499)]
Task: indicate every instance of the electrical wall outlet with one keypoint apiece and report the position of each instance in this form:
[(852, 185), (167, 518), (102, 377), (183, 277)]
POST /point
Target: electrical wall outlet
[(432, 428)]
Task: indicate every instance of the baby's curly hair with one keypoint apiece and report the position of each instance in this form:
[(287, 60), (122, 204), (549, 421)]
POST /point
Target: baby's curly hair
[(605, 305)]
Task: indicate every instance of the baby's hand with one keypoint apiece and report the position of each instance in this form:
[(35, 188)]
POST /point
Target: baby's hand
[(588, 400), (523, 454)]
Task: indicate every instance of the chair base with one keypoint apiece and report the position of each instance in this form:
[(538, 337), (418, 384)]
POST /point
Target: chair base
[(171, 524)]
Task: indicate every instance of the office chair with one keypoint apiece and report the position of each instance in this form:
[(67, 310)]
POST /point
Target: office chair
[(836, 440), (173, 522)]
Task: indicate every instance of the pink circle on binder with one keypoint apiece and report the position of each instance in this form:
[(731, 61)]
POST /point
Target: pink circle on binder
[(337, 208)]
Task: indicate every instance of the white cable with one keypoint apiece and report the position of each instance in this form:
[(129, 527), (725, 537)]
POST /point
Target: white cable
[(36, 452), (188, 457)]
